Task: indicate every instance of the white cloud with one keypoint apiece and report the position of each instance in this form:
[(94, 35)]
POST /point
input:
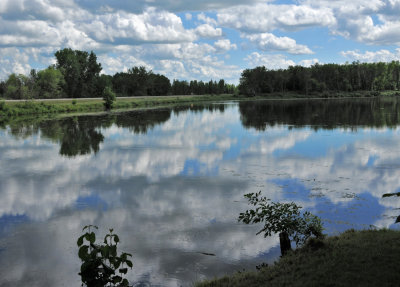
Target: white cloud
[(372, 56), (208, 31), (174, 6), (120, 63), (36, 10), (308, 62), (224, 45), (276, 61), (266, 18), (354, 20), (270, 61), (202, 17), (270, 42), (12, 60), (152, 26)]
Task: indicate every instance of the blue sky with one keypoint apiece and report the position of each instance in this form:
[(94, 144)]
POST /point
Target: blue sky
[(192, 39)]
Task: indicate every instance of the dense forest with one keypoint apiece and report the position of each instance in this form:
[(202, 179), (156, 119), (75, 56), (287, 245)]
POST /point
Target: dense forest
[(77, 74), (321, 78)]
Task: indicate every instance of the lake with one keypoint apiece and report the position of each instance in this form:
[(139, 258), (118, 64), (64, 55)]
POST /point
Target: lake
[(170, 182)]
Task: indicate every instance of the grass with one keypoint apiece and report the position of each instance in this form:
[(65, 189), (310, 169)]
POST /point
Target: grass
[(37, 107), (354, 258)]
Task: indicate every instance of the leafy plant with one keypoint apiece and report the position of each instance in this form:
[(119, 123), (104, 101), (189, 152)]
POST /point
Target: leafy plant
[(286, 219), (100, 262), (109, 98)]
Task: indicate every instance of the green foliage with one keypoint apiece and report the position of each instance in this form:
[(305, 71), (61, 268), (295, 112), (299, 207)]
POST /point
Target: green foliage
[(321, 78), (281, 218), (201, 88), (49, 83), (109, 98), (17, 87), (101, 262), (140, 82), (81, 72)]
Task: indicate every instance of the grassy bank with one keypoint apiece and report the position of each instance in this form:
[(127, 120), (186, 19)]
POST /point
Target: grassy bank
[(38, 107), (355, 258)]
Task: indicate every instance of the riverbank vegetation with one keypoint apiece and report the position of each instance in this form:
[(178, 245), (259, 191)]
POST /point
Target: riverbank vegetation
[(354, 258), (322, 79), (41, 107), (77, 74)]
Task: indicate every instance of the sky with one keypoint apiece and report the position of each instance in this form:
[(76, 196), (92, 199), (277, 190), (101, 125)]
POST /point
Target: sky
[(198, 39)]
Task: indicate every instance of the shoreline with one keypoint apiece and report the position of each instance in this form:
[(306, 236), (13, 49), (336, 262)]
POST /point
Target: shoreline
[(10, 109)]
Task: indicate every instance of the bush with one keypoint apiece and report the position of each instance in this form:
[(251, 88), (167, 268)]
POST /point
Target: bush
[(109, 98)]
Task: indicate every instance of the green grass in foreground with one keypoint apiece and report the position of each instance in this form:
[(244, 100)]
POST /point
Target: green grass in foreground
[(354, 258)]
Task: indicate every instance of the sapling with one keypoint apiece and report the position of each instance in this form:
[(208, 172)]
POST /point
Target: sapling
[(286, 219)]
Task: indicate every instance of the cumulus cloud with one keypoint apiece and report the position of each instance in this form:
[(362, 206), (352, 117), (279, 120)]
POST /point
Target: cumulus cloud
[(372, 56), (17, 60), (276, 61), (263, 18), (308, 62), (208, 31), (174, 6), (270, 42), (224, 45), (208, 20), (116, 29), (271, 61), (354, 20), (55, 11), (13, 61), (151, 26)]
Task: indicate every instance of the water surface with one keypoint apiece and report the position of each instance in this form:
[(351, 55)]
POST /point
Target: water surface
[(171, 183)]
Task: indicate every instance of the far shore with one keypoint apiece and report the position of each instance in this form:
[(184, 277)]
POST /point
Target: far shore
[(30, 107)]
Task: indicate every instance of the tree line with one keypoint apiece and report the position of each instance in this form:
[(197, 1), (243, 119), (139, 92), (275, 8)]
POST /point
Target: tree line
[(321, 78), (77, 74)]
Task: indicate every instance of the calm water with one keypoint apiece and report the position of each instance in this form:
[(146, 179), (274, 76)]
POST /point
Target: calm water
[(171, 184)]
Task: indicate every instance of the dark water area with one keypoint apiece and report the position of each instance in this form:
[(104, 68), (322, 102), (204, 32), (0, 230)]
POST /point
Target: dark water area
[(171, 183)]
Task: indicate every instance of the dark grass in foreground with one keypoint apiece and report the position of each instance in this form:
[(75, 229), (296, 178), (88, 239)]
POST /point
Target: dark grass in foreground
[(355, 258)]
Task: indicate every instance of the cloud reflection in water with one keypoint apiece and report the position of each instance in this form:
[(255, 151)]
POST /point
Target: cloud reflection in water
[(172, 188)]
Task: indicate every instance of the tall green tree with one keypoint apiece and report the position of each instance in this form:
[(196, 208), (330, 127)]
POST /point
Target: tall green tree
[(81, 72)]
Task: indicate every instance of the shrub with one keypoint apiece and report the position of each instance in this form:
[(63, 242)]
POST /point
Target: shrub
[(285, 219), (109, 98)]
